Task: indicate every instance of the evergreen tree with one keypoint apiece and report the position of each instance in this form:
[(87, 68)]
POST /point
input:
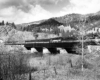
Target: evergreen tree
[(7, 23), (2, 23), (13, 25)]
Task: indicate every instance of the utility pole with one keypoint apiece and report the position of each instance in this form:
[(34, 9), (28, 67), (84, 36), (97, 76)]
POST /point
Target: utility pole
[(82, 51), (30, 77), (82, 33), (82, 42)]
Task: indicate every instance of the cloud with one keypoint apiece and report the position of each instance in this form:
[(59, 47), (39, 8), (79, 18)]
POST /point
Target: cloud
[(13, 14), (20, 4), (25, 4), (17, 3), (81, 7), (49, 1), (22, 11)]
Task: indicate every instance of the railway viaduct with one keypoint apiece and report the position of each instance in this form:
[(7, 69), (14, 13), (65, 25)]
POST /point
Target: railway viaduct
[(52, 44)]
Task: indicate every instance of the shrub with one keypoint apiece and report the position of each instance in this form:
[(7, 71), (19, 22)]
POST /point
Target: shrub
[(12, 65)]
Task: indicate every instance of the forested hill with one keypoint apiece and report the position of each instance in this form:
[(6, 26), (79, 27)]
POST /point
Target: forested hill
[(74, 20), (52, 26)]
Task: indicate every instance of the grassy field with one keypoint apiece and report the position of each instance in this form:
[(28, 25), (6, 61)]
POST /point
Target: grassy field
[(62, 67), (19, 66)]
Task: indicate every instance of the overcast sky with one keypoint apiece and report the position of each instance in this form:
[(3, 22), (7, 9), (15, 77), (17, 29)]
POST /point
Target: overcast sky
[(23, 11)]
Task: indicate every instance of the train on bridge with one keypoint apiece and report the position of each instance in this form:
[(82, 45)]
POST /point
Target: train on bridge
[(68, 43)]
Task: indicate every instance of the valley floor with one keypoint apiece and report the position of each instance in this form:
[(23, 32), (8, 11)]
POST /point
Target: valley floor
[(65, 67), (31, 66)]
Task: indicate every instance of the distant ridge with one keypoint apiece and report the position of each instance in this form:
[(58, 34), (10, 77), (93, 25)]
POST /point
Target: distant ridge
[(74, 20)]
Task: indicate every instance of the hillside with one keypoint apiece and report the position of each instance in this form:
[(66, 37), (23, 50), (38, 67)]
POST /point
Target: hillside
[(70, 24), (74, 20)]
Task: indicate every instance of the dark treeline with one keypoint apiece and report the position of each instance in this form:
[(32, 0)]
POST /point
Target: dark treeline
[(50, 23), (2, 23)]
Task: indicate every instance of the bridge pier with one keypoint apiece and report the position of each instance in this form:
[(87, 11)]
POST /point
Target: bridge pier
[(33, 50), (53, 50), (39, 49), (62, 51), (71, 51), (46, 51)]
